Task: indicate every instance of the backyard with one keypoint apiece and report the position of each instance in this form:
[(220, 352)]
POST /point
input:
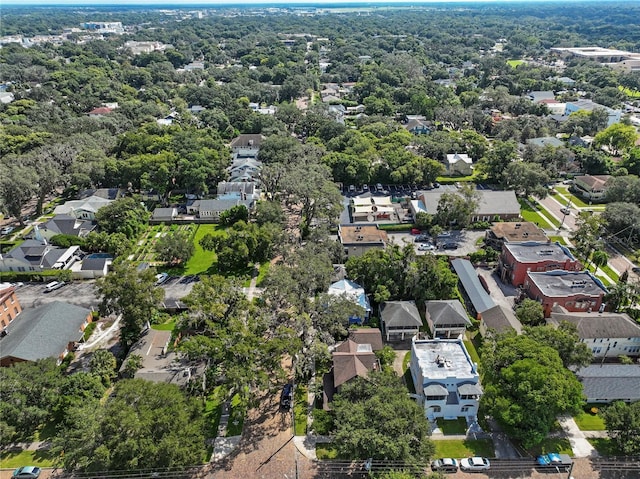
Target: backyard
[(464, 448), (588, 421)]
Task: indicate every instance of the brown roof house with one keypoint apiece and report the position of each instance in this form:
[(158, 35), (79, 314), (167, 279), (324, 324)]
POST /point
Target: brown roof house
[(353, 357), (591, 187), (509, 232), (356, 240), (498, 319)]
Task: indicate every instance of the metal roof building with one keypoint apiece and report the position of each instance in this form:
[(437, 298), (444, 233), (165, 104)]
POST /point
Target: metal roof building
[(478, 297)]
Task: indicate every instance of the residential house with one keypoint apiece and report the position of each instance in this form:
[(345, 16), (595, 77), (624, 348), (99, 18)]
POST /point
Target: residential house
[(517, 259), (211, 209), (352, 358), (510, 232), (6, 97), (591, 187), (607, 383), (445, 378), (355, 293), (400, 319), (196, 109), (105, 193), (539, 96), (159, 365), (37, 256), (613, 116), (164, 215), (497, 320), (92, 266), (606, 334), (247, 142), (99, 112), (543, 141), (83, 209), (247, 190), (446, 318), (555, 107), (48, 331), (9, 305), (576, 291), (372, 208), (476, 297), (502, 205), (459, 164), (418, 127), (244, 169), (356, 240), (63, 225)]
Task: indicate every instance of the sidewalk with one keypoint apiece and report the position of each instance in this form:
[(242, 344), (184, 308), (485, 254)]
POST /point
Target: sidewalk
[(581, 447)]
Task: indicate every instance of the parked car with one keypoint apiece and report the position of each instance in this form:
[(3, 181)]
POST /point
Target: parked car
[(379, 187), (365, 187), (565, 211), (422, 237), (554, 460), (6, 230), (161, 278), (636, 269), (53, 285), (445, 234), (567, 182), (352, 189), (26, 472), (426, 247), (286, 397), (449, 246), (473, 464), (445, 465)]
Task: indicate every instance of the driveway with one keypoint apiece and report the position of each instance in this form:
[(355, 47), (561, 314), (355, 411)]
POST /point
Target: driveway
[(503, 294), (80, 293)]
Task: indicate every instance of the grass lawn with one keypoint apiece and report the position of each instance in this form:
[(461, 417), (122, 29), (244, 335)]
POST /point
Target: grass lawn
[(169, 326), (452, 427), (548, 216), (529, 214), (605, 446), (471, 349), (514, 63), (406, 360), (212, 411), (237, 412), (300, 407), (408, 380), (13, 459), (464, 448), (454, 179), (88, 331), (552, 444), (262, 273), (560, 239), (202, 260), (326, 451), (589, 422)]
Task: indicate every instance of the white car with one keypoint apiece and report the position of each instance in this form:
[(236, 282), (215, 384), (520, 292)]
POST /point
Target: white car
[(426, 247), (565, 211), (473, 464), (161, 278)]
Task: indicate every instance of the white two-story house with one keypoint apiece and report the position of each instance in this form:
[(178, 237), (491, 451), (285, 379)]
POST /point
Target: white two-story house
[(446, 379)]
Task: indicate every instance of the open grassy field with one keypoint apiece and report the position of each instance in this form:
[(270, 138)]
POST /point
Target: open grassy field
[(514, 63), (202, 260)]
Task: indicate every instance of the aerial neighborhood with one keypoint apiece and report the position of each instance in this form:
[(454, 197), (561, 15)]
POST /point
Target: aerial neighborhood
[(320, 242)]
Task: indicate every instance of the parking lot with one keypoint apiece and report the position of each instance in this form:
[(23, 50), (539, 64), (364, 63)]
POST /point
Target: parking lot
[(84, 293), (465, 239)]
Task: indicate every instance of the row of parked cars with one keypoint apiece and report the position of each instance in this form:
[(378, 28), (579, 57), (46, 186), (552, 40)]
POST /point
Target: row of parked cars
[(469, 464), (387, 189), (552, 460)]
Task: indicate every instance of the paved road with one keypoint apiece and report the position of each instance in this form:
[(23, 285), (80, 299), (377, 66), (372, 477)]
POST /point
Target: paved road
[(553, 205)]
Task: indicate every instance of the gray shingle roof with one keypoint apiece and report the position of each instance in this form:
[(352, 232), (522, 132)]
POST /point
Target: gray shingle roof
[(501, 319), (469, 278), (491, 202), (448, 311), (67, 225), (400, 313), (611, 381), (599, 325), (43, 332)]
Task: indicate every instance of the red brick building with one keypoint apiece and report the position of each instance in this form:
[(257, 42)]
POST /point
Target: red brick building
[(9, 305), (517, 259), (576, 291)]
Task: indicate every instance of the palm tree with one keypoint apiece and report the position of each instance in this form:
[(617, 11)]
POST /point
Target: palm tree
[(599, 258)]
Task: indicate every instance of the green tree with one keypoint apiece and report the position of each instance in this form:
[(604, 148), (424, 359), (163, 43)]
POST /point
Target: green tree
[(168, 426), (386, 356), (233, 215), (175, 247), (457, 208), (374, 421), (269, 212), (132, 365), (527, 387), (103, 364), (124, 215), (623, 424), (527, 178), (617, 137), (132, 294), (530, 312), (565, 340), (17, 187), (497, 159)]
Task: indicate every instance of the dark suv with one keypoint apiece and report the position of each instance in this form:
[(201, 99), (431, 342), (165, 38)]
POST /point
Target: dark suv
[(450, 246), (286, 397)]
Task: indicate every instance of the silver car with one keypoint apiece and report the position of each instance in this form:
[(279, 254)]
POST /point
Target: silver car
[(475, 464), (446, 464)]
